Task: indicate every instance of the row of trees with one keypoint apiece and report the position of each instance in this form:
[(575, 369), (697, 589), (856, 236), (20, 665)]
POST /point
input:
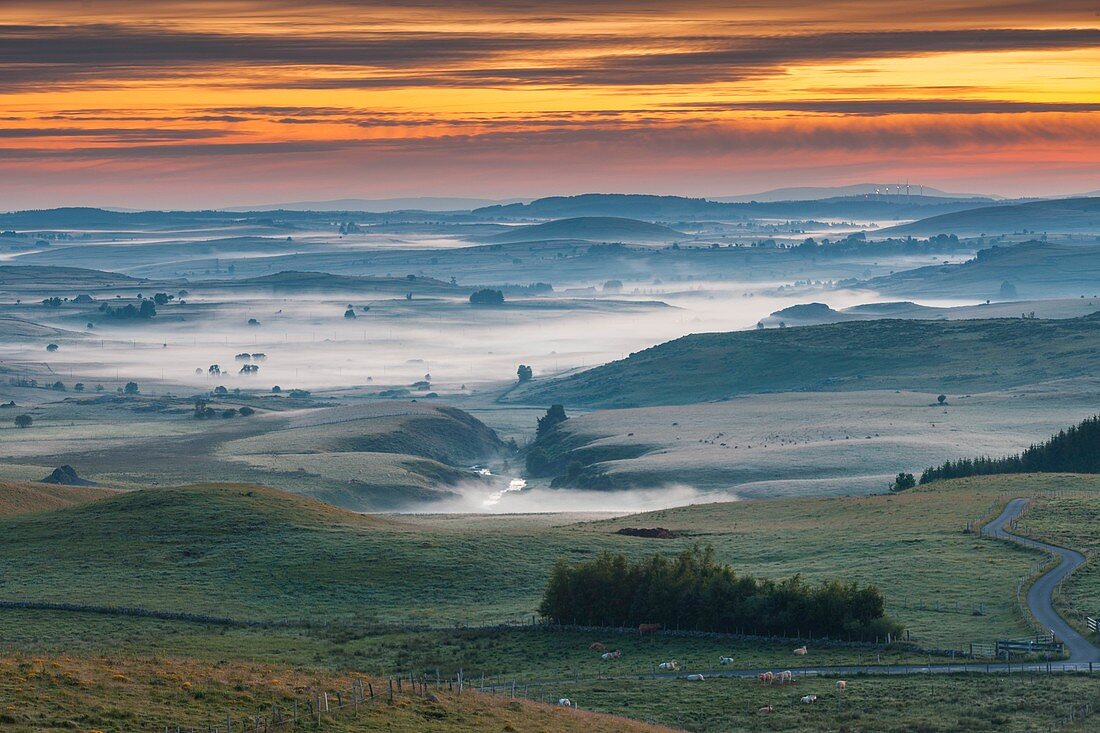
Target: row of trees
[(694, 591), (1073, 450)]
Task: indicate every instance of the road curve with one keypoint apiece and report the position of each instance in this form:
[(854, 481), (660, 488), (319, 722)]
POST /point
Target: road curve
[(1040, 595)]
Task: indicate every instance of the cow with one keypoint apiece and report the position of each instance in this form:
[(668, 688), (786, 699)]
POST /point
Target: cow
[(841, 685), (611, 655), (669, 666), (694, 678), (597, 646), (785, 677), (565, 702), (765, 677), (644, 629), (766, 709), (801, 651), (725, 660), (809, 699)]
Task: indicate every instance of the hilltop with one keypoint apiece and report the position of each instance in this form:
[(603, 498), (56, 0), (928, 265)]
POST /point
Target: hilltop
[(28, 497), (599, 228), (304, 281), (1056, 215), (880, 354), (44, 277)]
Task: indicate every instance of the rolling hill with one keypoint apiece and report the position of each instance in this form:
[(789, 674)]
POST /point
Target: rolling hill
[(1032, 269), (291, 281), (1077, 215), (969, 355), (599, 228)]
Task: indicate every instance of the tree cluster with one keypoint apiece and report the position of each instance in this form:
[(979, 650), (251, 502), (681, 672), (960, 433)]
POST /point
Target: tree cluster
[(1073, 450), (694, 591), (487, 296)]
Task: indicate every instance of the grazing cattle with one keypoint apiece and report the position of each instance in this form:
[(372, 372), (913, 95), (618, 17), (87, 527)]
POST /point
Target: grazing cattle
[(801, 651), (565, 702), (644, 629), (669, 666), (766, 709), (841, 685), (597, 646), (611, 655), (785, 677), (694, 678), (765, 677), (725, 660), (809, 699)]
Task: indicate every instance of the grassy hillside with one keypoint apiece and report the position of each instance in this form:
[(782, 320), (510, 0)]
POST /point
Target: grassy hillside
[(253, 553), (312, 282), (1057, 215), (117, 695), (1033, 269), (886, 354), (599, 228), (46, 277), (25, 498)]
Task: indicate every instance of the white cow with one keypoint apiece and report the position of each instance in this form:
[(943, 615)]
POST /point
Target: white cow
[(809, 699), (841, 684), (785, 677), (606, 656), (669, 666), (801, 651), (694, 678), (725, 660), (565, 702)]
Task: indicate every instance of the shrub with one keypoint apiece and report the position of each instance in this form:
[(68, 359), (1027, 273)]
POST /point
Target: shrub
[(903, 481), (524, 373), (131, 388), (246, 411), (23, 421), (694, 591)]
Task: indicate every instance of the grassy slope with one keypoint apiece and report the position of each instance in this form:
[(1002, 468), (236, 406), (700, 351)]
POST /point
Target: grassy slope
[(589, 227), (888, 354), (1035, 269), (25, 498), (1059, 215), (257, 553), (123, 694)]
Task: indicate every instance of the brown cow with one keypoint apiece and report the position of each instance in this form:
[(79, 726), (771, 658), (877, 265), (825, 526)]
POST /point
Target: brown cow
[(644, 629), (597, 646)]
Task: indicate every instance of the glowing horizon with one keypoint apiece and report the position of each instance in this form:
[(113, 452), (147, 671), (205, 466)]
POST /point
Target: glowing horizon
[(240, 102)]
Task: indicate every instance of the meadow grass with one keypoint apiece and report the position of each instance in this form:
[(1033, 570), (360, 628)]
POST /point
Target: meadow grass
[(252, 553)]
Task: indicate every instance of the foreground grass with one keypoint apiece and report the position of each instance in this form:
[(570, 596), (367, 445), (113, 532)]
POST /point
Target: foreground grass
[(909, 704), (253, 553), (116, 694)]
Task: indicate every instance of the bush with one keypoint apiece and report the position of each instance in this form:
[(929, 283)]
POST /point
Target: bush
[(23, 421), (246, 411), (487, 296), (524, 373), (553, 417), (693, 591), (903, 481), (131, 388), (51, 348)]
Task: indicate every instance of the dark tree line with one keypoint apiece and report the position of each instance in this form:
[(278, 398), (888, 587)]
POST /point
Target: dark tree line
[(694, 591), (1073, 450)]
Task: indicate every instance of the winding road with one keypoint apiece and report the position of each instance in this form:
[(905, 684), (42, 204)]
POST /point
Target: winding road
[(1040, 595)]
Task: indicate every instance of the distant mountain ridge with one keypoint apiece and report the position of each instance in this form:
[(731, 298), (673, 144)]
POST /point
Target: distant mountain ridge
[(810, 193)]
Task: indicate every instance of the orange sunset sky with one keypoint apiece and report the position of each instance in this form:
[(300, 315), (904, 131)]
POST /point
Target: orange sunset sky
[(200, 103)]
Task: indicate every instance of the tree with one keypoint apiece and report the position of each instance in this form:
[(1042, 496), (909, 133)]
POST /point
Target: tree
[(613, 286), (78, 387), (23, 421), (148, 309), (253, 322), (162, 298), (220, 390), (942, 399), (487, 296), (350, 312), (553, 417), (525, 373), (131, 388), (903, 481), (58, 386), (51, 348), (246, 411)]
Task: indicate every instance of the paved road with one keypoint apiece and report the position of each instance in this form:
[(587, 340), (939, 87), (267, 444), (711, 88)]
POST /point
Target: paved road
[(1039, 596)]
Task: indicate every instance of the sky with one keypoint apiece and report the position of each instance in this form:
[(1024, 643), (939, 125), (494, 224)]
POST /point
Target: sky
[(197, 103)]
